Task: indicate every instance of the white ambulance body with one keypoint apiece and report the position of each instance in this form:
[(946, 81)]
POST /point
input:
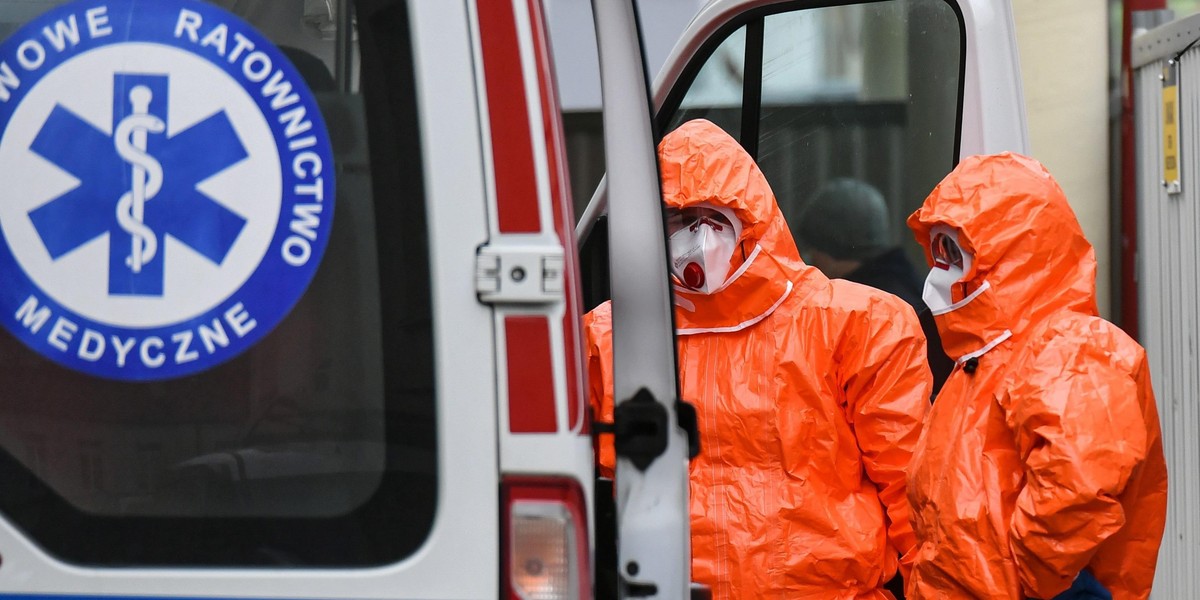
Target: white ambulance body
[(290, 293)]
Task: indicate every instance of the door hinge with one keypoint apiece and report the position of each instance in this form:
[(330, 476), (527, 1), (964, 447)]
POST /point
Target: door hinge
[(519, 273)]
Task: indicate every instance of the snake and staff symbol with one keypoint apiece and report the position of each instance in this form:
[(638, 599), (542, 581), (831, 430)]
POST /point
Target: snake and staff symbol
[(146, 176)]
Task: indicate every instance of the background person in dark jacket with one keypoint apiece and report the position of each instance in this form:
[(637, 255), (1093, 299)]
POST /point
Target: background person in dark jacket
[(844, 231)]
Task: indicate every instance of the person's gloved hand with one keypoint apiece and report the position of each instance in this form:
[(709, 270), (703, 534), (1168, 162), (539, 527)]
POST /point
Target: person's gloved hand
[(1085, 587)]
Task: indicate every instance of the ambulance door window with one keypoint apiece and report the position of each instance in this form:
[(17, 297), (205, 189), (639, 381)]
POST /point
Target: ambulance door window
[(867, 93), (217, 344)]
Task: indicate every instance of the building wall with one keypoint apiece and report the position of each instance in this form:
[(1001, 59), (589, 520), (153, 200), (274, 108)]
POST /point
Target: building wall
[(1064, 64)]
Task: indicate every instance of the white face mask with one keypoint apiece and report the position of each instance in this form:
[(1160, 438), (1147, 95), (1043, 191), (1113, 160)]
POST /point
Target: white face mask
[(950, 265), (937, 288), (700, 254)]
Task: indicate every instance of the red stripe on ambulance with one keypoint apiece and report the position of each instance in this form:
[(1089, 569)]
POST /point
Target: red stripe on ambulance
[(508, 114), (530, 384), (564, 219)]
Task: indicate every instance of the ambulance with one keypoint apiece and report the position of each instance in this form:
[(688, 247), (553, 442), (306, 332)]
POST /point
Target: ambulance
[(291, 290)]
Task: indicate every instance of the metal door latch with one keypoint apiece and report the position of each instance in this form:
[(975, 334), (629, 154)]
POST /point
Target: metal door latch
[(519, 273)]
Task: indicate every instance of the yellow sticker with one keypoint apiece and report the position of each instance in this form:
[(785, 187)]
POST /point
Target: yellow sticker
[(1170, 118)]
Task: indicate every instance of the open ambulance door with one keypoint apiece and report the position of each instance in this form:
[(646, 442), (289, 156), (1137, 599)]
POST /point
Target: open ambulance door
[(889, 92), (652, 450)]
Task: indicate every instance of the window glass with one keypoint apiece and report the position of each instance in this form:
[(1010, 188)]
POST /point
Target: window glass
[(852, 115), (313, 446), (859, 105), (716, 92)]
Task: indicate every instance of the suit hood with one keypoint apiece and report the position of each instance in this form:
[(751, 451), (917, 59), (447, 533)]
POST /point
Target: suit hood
[(1027, 243), (701, 164)]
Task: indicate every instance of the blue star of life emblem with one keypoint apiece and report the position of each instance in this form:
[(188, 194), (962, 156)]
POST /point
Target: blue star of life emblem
[(138, 185), (169, 187)]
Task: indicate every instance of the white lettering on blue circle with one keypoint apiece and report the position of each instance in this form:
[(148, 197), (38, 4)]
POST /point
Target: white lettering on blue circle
[(167, 187)]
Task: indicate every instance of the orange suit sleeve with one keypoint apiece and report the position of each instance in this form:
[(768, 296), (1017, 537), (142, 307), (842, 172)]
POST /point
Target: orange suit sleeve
[(597, 326), (887, 396), (1074, 408)]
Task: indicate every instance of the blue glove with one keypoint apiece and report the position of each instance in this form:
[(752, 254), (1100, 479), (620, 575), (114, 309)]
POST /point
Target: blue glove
[(1085, 587)]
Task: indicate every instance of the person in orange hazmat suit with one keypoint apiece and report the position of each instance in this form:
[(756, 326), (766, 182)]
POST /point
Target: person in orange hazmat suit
[(810, 393), (1041, 466)]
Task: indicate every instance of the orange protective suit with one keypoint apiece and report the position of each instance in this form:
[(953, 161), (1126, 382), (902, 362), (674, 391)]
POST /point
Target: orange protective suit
[(1043, 457), (810, 395)]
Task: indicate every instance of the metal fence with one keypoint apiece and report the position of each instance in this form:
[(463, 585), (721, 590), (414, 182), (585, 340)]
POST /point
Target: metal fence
[(1167, 97)]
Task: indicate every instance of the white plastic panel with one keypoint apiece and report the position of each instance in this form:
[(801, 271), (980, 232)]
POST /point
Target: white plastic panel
[(993, 117), (1168, 285)]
